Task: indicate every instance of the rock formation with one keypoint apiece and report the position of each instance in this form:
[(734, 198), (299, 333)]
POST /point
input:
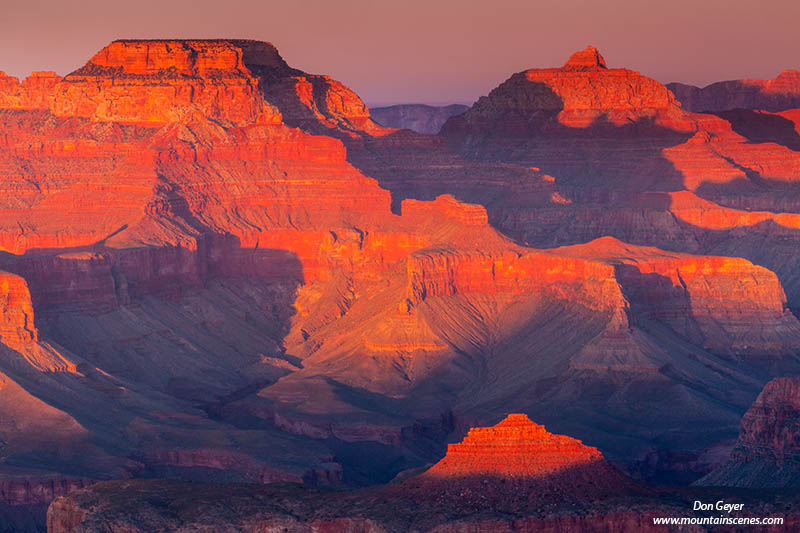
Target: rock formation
[(767, 454), (771, 423), (588, 58), (167, 81), (35, 91), (16, 310), (634, 143), (777, 94), (514, 448), (546, 102)]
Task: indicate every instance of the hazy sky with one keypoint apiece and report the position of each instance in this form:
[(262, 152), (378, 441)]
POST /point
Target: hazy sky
[(432, 51)]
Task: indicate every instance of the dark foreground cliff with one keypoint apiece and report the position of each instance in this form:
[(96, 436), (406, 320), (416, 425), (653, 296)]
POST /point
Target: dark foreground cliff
[(142, 506), (514, 476)]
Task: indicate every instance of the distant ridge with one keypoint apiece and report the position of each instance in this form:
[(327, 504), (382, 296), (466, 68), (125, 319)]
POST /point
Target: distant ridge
[(417, 117), (778, 94)]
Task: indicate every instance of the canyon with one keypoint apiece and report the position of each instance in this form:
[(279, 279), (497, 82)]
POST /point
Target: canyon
[(219, 268)]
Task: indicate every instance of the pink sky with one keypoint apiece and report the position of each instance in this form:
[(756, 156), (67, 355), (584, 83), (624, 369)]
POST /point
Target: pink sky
[(432, 51)]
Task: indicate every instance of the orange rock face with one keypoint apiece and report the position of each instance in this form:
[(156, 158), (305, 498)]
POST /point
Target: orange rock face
[(588, 58), (725, 304), (16, 325), (548, 100), (515, 447), (202, 58), (35, 91), (166, 81), (318, 103)]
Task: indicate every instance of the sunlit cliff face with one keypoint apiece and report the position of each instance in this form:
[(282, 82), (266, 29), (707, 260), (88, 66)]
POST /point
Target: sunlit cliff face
[(515, 448)]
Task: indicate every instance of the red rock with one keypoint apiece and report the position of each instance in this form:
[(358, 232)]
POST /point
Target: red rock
[(227, 461), (719, 155), (318, 103), (516, 448), (16, 311), (201, 58), (448, 207), (705, 214), (725, 304), (167, 80), (588, 58), (794, 116), (580, 94), (35, 91)]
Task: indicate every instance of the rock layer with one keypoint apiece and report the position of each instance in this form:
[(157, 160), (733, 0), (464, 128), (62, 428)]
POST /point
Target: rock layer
[(17, 326), (550, 101), (516, 448), (164, 81)]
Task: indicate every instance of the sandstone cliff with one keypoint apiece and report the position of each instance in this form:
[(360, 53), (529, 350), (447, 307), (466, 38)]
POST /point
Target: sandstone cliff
[(16, 310), (565, 102), (206, 77), (517, 464), (34, 92)]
